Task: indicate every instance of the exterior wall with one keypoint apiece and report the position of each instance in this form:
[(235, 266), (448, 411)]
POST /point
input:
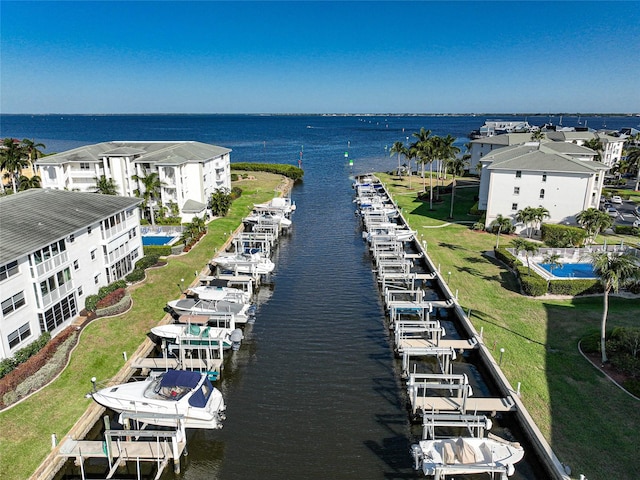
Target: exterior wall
[(565, 194), (55, 284), (478, 151)]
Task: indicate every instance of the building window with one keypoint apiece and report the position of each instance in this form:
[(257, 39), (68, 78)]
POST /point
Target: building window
[(58, 314), (518, 173), (85, 166), (13, 303), (544, 177), (514, 207), (516, 190), (8, 269), (76, 266), (541, 193), (96, 279), (88, 230), (72, 238), (80, 291), (93, 254), (19, 335)]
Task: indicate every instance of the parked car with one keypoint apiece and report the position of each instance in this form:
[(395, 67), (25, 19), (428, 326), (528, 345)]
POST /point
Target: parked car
[(612, 212), (616, 199)]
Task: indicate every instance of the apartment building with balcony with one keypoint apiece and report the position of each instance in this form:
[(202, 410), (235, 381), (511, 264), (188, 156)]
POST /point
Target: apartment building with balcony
[(189, 172), (56, 248)]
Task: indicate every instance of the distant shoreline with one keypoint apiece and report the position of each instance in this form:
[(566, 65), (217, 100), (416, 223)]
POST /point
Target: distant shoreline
[(524, 114)]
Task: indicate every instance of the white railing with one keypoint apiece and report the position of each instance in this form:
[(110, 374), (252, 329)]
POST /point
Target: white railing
[(48, 265)]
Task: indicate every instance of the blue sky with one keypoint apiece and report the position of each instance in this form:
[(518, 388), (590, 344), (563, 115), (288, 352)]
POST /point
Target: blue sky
[(319, 57)]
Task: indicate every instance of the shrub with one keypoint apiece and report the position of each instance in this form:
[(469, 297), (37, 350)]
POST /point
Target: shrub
[(91, 302), (475, 210), (236, 192), (632, 386), (290, 171), (478, 226), (504, 256), (562, 236), (112, 298), (24, 354), (234, 177), (532, 284), (135, 276), (591, 343), (574, 287), (627, 230)]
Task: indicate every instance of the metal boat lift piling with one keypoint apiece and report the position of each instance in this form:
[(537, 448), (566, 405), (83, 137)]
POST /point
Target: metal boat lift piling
[(131, 445)]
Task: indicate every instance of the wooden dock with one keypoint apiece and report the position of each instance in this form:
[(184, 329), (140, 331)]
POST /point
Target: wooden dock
[(450, 404), (121, 446)]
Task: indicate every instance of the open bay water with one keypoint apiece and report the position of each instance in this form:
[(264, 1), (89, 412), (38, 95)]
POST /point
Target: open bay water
[(315, 391)]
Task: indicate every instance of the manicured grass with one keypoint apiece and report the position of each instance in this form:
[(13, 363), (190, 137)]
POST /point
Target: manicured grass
[(591, 424), (25, 436)]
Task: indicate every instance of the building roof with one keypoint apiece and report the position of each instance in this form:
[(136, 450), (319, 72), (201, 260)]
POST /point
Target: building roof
[(504, 139), (570, 148), (191, 206), (37, 217), (539, 158), (167, 153)]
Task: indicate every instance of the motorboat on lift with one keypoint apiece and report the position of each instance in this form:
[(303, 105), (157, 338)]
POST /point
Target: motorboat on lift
[(252, 263), (464, 455), (168, 398), (283, 205), (197, 306), (259, 216), (213, 292), (199, 335)]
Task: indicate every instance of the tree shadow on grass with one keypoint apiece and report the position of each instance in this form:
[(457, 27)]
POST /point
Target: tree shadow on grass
[(485, 317), (451, 246)]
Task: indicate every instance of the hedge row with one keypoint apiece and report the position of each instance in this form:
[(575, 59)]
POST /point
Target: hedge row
[(118, 304), (156, 250), (560, 236), (532, 283), (91, 302), (575, 287), (22, 355), (290, 171), (627, 230)]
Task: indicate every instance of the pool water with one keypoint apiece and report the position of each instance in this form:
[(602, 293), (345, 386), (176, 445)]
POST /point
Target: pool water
[(570, 270), (157, 240)]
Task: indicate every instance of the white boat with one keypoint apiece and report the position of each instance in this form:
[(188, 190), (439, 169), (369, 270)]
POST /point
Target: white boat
[(250, 263), (167, 397), (196, 335), (194, 306), (211, 292), (466, 455), (278, 204), (265, 217), (475, 454)]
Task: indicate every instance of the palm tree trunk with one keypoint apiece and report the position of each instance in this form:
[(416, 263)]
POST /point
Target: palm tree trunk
[(431, 186), (603, 326), (453, 194)]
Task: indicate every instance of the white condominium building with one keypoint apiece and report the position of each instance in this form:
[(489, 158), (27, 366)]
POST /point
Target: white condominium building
[(189, 172), (57, 247)]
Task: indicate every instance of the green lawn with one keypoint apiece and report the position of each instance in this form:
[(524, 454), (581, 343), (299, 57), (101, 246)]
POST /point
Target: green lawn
[(25, 436), (591, 424)]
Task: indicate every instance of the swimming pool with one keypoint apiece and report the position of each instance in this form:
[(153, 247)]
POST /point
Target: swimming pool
[(158, 240), (570, 270)]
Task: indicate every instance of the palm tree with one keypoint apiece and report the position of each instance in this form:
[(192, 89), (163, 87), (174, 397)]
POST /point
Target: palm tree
[(525, 216), (633, 160), (151, 184), (539, 214), (593, 221), (537, 136), (529, 248), (26, 183), (456, 165), (106, 186), (13, 159), (501, 224), (424, 148), (32, 149), (400, 149), (615, 270), (553, 259), (413, 154), (446, 150), (596, 145)]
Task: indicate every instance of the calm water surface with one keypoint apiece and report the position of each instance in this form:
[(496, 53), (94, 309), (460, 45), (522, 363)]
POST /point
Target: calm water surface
[(314, 391)]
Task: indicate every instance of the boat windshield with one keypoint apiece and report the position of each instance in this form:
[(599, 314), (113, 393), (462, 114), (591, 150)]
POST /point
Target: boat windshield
[(201, 396)]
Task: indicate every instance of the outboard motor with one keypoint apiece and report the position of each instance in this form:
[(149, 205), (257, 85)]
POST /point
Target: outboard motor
[(236, 339)]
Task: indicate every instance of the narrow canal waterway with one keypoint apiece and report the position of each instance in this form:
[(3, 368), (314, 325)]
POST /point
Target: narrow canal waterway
[(313, 392)]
